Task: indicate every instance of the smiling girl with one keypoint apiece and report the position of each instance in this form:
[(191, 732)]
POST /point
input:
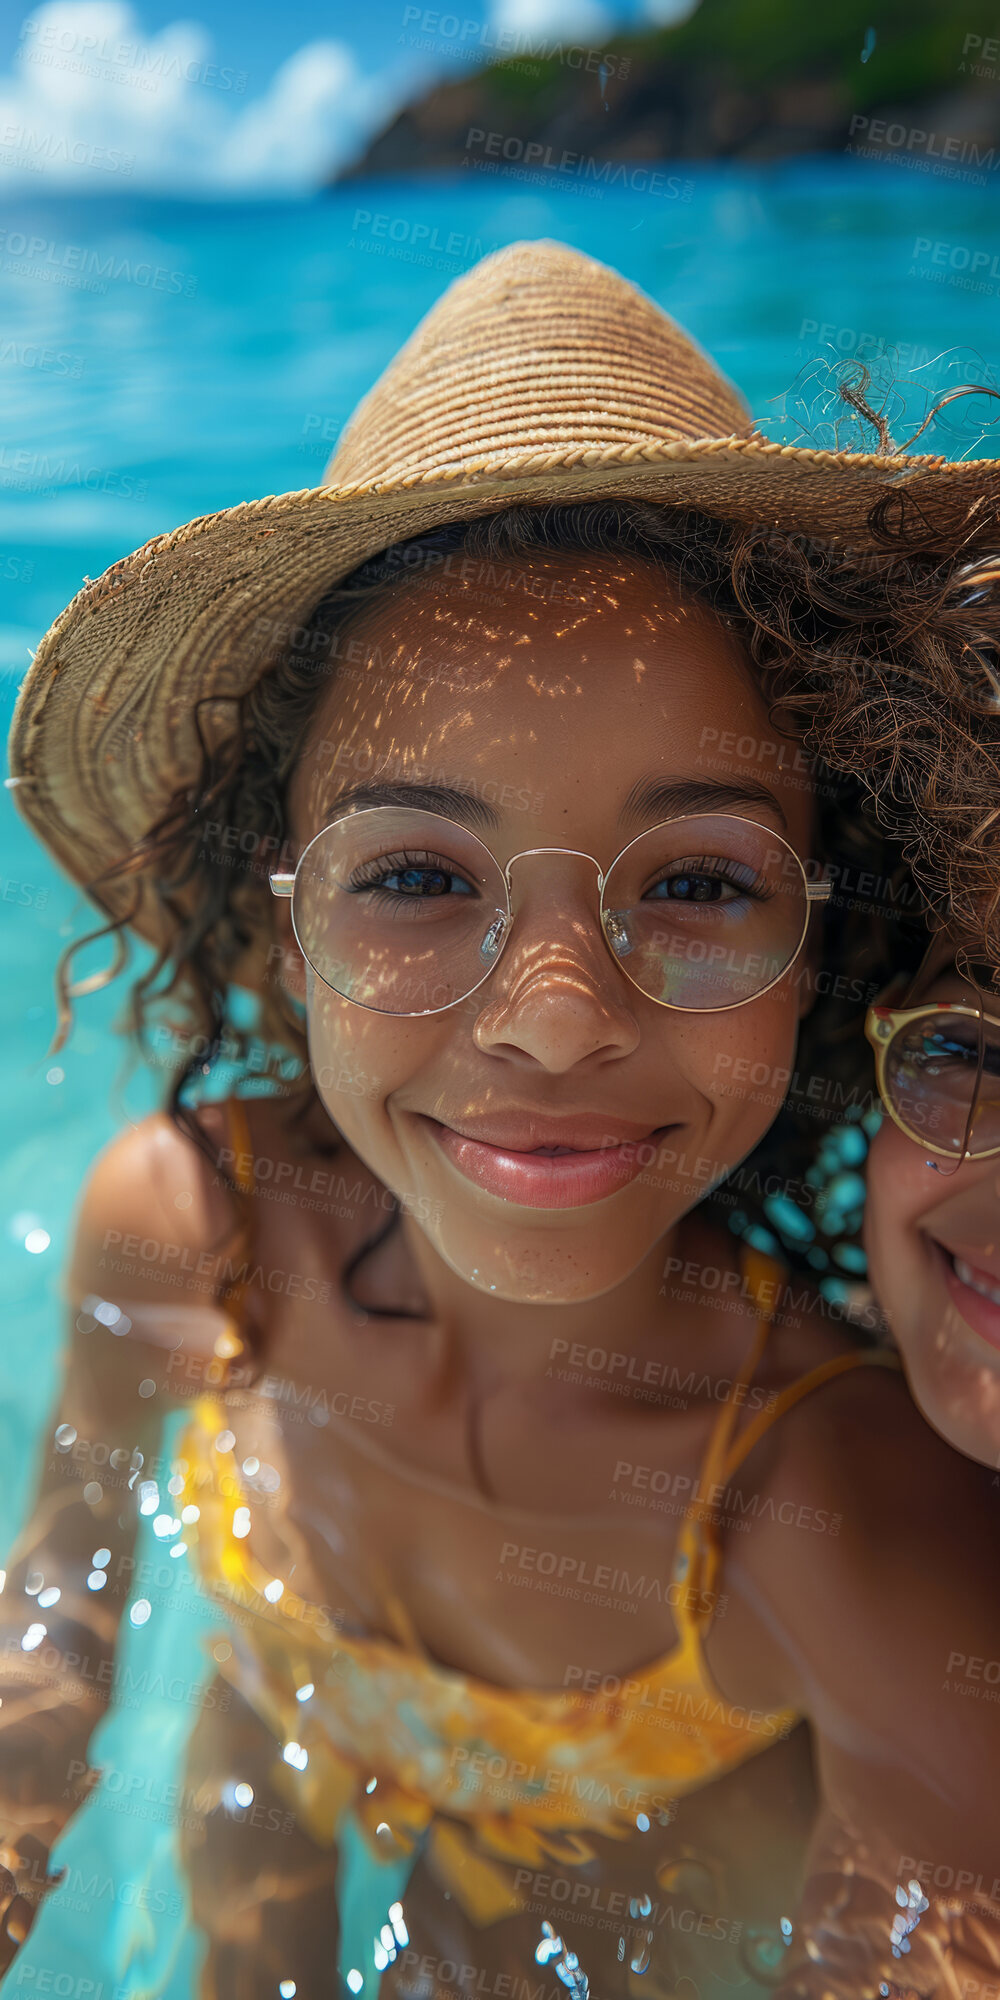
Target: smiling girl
[(538, 1516), (933, 1228)]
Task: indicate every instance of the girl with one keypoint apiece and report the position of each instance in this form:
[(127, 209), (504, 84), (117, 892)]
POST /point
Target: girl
[(933, 1231), (540, 1511)]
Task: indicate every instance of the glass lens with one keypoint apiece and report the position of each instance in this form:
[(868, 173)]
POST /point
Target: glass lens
[(705, 912), (930, 1075), (401, 911)]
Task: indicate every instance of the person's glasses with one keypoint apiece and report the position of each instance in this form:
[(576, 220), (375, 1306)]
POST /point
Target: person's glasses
[(407, 912), (938, 1074)]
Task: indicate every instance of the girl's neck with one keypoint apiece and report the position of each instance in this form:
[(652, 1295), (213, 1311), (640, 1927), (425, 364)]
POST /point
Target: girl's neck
[(492, 1340)]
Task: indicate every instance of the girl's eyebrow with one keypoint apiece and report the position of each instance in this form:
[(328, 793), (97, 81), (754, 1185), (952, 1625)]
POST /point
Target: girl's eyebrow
[(452, 800), (650, 800), (653, 799)]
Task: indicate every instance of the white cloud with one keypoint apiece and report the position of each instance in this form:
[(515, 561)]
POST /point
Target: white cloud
[(292, 132), (93, 103), (566, 20)]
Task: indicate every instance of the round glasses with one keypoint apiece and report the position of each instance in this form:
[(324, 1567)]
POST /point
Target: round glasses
[(938, 1074), (407, 912)]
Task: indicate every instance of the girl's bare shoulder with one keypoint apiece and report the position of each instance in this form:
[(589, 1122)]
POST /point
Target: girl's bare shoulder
[(162, 1198), (155, 1204), (153, 1181)]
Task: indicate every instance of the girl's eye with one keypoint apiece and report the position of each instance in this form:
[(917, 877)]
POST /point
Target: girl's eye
[(693, 888), (706, 882), (411, 876), (424, 882), (955, 1050)]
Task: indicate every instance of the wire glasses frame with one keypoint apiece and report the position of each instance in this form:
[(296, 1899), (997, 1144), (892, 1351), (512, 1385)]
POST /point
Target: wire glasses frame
[(883, 1024), (283, 883)]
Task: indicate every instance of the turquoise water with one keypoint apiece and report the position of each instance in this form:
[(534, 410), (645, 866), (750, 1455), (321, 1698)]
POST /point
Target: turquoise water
[(214, 356)]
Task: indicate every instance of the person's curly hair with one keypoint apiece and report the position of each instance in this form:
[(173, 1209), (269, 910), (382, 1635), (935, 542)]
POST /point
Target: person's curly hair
[(883, 661)]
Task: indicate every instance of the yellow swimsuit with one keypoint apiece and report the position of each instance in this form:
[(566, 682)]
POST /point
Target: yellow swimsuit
[(561, 1764)]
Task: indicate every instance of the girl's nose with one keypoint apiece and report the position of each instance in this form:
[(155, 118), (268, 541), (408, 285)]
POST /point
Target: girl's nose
[(557, 997)]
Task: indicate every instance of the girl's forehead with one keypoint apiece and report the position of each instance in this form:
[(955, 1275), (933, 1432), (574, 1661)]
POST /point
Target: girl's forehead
[(556, 637), (590, 687)]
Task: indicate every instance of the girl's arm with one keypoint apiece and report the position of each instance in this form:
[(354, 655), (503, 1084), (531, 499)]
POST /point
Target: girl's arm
[(57, 1664), (886, 1635)]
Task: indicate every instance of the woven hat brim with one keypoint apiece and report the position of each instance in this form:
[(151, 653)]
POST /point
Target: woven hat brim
[(104, 730)]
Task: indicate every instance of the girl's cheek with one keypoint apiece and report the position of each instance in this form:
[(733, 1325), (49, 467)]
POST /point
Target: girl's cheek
[(744, 1061), (358, 1060), (896, 1197)]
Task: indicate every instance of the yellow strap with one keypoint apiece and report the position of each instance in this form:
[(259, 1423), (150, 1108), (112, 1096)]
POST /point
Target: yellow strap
[(699, 1538), (764, 1278), (395, 1610), (239, 1137), (878, 1357)]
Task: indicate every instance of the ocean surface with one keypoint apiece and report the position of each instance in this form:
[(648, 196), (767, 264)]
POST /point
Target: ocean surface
[(161, 360)]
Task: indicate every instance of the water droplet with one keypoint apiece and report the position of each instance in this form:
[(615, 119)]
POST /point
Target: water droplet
[(36, 1241), (244, 1795), (140, 1611), (33, 1637)]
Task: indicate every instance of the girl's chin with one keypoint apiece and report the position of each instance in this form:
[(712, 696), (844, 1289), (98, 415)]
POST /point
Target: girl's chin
[(534, 1287), (529, 1272), (950, 1397)]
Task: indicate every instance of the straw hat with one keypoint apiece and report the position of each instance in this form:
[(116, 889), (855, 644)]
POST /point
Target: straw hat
[(539, 376)]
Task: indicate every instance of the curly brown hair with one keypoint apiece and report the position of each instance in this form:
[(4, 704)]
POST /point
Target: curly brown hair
[(883, 662)]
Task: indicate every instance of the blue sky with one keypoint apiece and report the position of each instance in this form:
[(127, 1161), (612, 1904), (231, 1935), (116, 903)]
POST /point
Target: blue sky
[(237, 96)]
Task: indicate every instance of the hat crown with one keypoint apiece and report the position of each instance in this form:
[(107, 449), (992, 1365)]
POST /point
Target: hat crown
[(537, 355)]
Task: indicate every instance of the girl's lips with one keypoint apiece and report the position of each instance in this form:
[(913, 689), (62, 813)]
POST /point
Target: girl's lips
[(977, 1310), (547, 1180)]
